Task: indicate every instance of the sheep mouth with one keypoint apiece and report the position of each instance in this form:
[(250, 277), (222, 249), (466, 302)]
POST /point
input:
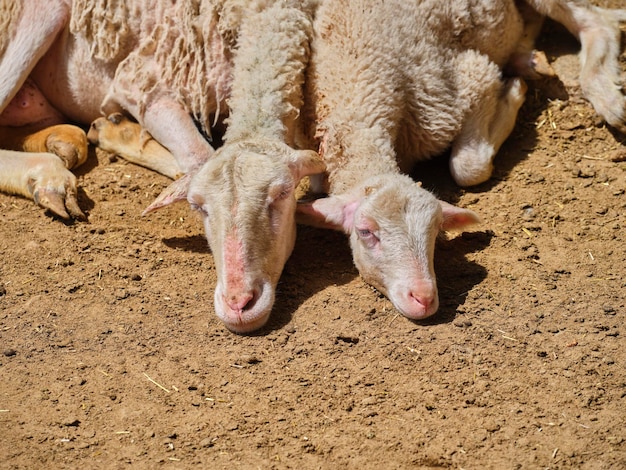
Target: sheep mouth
[(250, 315)]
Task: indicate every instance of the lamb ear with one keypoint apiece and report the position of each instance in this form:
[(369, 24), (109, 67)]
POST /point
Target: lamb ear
[(175, 192), (306, 162), (332, 212), (456, 217)]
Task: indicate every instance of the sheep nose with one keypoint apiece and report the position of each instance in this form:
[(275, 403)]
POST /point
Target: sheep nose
[(424, 304), (240, 302)]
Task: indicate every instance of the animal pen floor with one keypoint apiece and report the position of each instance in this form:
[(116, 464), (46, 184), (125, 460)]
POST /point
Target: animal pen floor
[(111, 355)]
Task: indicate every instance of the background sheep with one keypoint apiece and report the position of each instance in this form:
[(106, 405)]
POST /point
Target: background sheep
[(391, 83), (170, 65)]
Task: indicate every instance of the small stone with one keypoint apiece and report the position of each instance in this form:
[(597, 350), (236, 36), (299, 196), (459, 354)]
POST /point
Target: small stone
[(458, 323), (3, 290), (618, 155), (207, 442), (492, 427), (232, 426), (136, 277), (347, 339), (609, 310), (9, 352), (369, 401)]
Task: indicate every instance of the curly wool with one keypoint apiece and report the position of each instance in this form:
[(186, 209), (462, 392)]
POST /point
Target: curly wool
[(190, 43), (104, 23), (9, 13)]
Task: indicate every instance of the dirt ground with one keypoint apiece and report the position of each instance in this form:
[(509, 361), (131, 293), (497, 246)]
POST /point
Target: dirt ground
[(111, 355)]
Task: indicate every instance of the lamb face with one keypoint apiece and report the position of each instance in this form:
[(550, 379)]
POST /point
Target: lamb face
[(393, 244), (246, 197), (393, 225)]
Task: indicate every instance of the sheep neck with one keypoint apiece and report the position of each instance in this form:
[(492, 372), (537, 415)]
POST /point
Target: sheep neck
[(354, 154), (268, 75)]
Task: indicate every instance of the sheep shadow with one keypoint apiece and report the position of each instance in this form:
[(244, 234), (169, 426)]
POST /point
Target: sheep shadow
[(305, 276), (190, 243), (321, 258), (456, 275)]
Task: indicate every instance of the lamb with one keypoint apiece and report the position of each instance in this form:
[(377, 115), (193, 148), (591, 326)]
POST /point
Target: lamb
[(170, 65), (394, 82)]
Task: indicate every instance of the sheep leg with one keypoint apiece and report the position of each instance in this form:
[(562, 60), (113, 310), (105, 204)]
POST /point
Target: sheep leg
[(172, 127), (42, 177), (526, 62), (484, 131), (598, 31), (120, 135), (37, 26), (67, 142)]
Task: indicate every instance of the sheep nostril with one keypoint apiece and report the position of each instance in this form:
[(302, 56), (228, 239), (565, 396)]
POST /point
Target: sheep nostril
[(242, 301)]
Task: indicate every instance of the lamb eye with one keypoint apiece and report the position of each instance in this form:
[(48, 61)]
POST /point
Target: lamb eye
[(367, 236)]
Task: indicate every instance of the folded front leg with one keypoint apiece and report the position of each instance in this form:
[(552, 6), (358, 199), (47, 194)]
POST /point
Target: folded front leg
[(66, 141), (119, 135), (491, 116)]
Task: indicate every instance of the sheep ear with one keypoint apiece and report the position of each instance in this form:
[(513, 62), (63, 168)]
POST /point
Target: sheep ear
[(306, 162), (328, 212), (175, 192), (456, 217)]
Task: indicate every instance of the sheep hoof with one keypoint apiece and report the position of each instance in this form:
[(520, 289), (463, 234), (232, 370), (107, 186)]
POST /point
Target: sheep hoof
[(68, 143), (54, 187)]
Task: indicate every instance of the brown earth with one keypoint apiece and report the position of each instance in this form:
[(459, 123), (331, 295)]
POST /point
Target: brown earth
[(112, 357)]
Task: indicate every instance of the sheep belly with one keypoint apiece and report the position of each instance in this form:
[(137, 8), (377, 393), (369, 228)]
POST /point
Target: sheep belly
[(29, 107)]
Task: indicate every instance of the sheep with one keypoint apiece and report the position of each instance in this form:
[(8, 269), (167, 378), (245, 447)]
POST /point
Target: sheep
[(246, 192), (171, 65), (394, 82), (362, 108)]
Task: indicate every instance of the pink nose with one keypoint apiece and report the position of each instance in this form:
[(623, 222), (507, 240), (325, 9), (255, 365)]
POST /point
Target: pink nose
[(423, 304), (239, 302)]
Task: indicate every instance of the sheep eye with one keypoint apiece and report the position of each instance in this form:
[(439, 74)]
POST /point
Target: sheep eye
[(280, 194), (198, 208), (367, 236)]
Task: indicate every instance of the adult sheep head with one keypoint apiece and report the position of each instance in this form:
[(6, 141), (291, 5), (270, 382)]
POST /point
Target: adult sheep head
[(393, 224), (246, 196)]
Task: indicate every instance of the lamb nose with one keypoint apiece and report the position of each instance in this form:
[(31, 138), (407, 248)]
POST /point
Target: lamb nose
[(424, 300)]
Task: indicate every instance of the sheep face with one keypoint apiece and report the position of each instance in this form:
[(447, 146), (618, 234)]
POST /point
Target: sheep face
[(393, 242), (393, 224), (245, 194)]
